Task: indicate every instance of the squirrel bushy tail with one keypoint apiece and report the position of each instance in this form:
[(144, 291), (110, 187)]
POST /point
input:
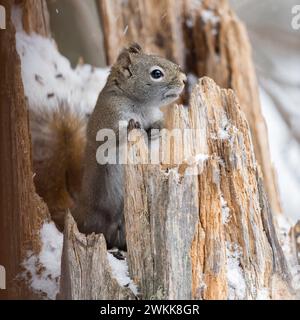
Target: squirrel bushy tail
[(58, 141)]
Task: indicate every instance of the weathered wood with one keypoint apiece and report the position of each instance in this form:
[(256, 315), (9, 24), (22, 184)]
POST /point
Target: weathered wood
[(196, 235), (207, 39), (155, 24), (21, 211), (35, 16), (295, 236), (223, 53), (86, 273)]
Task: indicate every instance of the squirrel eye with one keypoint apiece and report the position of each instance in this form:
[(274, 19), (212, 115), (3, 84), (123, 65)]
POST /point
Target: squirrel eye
[(156, 73)]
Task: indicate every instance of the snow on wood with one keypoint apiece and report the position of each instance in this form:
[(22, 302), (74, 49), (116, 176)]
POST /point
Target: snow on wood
[(119, 270), (42, 270)]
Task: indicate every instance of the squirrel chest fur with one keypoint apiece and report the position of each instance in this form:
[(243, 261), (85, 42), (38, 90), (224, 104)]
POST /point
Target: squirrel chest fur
[(138, 86)]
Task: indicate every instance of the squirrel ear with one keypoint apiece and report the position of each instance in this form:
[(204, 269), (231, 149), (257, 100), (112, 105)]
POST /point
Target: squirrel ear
[(124, 56), (135, 48)]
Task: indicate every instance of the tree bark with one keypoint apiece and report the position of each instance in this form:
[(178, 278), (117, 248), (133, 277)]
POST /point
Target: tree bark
[(21, 211), (206, 39)]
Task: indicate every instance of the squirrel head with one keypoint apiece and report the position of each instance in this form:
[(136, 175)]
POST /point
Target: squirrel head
[(147, 79)]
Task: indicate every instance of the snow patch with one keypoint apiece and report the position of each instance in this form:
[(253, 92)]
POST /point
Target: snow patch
[(189, 22), (225, 210), (201, 157), (49, 78), (119, 270), (284, 227), (195, 164), (223, 134), (236, 281), (42, 271), (263, 294), (210, 16)]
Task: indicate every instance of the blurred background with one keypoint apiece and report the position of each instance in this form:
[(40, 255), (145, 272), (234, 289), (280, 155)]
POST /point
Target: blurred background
[(276, 47)]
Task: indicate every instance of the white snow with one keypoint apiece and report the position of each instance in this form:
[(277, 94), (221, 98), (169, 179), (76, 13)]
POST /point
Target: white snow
[(223, 134), (119, 270), (125, 30), (201, 157), (42, 272), (236, 281), (48, 76), (263, 294), (209, 16), (189, 22), (285, 225), (225, 210), (195, 164)]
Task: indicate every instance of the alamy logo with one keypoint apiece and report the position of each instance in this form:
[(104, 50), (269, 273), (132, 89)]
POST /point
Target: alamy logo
[(296, 17), (2, 278), (2, 17)]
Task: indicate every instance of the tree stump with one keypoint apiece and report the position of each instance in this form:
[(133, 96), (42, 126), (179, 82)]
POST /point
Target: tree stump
[(209, 233), (199, 227)]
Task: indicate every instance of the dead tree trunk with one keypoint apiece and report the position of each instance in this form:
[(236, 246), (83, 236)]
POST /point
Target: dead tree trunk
[(21, 210), (206, 39)]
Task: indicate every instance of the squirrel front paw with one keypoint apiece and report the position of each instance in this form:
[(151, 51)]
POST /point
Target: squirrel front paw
[(132, 124)]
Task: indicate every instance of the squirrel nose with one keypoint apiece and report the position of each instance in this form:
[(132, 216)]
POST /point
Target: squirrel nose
[(183, 77)]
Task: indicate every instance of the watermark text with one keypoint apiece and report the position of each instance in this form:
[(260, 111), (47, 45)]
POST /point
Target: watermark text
[(296, 17), (2, 18), (2, 278), (165, 147)]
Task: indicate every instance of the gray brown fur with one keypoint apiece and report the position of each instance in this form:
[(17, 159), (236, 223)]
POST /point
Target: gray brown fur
[(129, 93)]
